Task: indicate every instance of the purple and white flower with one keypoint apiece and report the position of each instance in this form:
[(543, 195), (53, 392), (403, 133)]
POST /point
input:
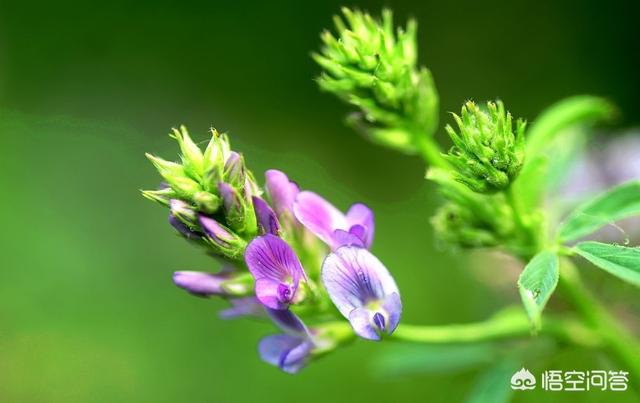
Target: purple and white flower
[(290, 350), (331, 225), (276, 269), (364, 292)]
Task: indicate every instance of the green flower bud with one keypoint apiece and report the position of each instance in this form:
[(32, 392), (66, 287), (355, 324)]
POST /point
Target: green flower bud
[(487, 155), (457, 225), (192, 158), (176, 177), (162, 196), (372, 66), (207, 202), (239, 212)]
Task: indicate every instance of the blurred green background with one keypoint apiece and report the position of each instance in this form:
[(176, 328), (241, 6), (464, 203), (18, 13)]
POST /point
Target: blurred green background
[(88, 312)]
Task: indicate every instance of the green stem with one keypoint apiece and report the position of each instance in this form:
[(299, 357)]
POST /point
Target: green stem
[(616, 338), (510, 324), (431, 153)]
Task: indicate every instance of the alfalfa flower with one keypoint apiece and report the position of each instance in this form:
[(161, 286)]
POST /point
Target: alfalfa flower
[(331, 225), (364, 292), (487, 153), (276, 269)]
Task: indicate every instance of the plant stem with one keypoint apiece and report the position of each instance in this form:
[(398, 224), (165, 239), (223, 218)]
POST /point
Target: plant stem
[(431, 153), (616, 338), (509, 324)]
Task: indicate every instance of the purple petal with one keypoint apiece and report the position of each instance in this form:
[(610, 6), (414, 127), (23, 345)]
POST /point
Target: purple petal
[(276, 269), (362, 322), (270, 293), (247, 306), (281, 190), (360, 219), (267, 220), (344, 238), (392, 305), (287, 352), (289, 322), (199, 283), (319, 216)]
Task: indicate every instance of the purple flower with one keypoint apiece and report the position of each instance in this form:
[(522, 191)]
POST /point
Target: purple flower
[(276, 269), (182, 228), (289, 351), (329, 224), (267, 221), (282, 192), (247, 306), (363, 291)]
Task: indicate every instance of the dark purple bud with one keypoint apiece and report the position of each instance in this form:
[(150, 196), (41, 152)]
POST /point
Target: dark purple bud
[(215, 231), (267, 219), (182, 228)]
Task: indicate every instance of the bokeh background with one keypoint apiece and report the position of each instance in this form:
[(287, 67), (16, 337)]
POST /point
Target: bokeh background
[(88, 312)]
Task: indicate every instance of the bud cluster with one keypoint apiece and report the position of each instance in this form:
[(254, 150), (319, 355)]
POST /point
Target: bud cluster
[(487, 155), (209, 193), (373, 67)]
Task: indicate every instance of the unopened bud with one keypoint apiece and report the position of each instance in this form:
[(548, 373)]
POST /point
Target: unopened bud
[(487, 155)]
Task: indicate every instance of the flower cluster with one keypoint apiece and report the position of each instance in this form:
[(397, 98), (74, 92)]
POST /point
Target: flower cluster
[(288, 256), (372, 67)]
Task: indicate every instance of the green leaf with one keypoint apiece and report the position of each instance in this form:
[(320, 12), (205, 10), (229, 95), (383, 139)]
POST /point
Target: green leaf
[(621, 261), (493, 386), (564, 114), (536, 284), (617, 203), (551, 141)]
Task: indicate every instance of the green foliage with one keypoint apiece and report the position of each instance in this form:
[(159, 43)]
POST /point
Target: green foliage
[(487, 153), (618, 203), (536, 284), (372, 66), (621, 261), (493, 384), (559, 132)]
